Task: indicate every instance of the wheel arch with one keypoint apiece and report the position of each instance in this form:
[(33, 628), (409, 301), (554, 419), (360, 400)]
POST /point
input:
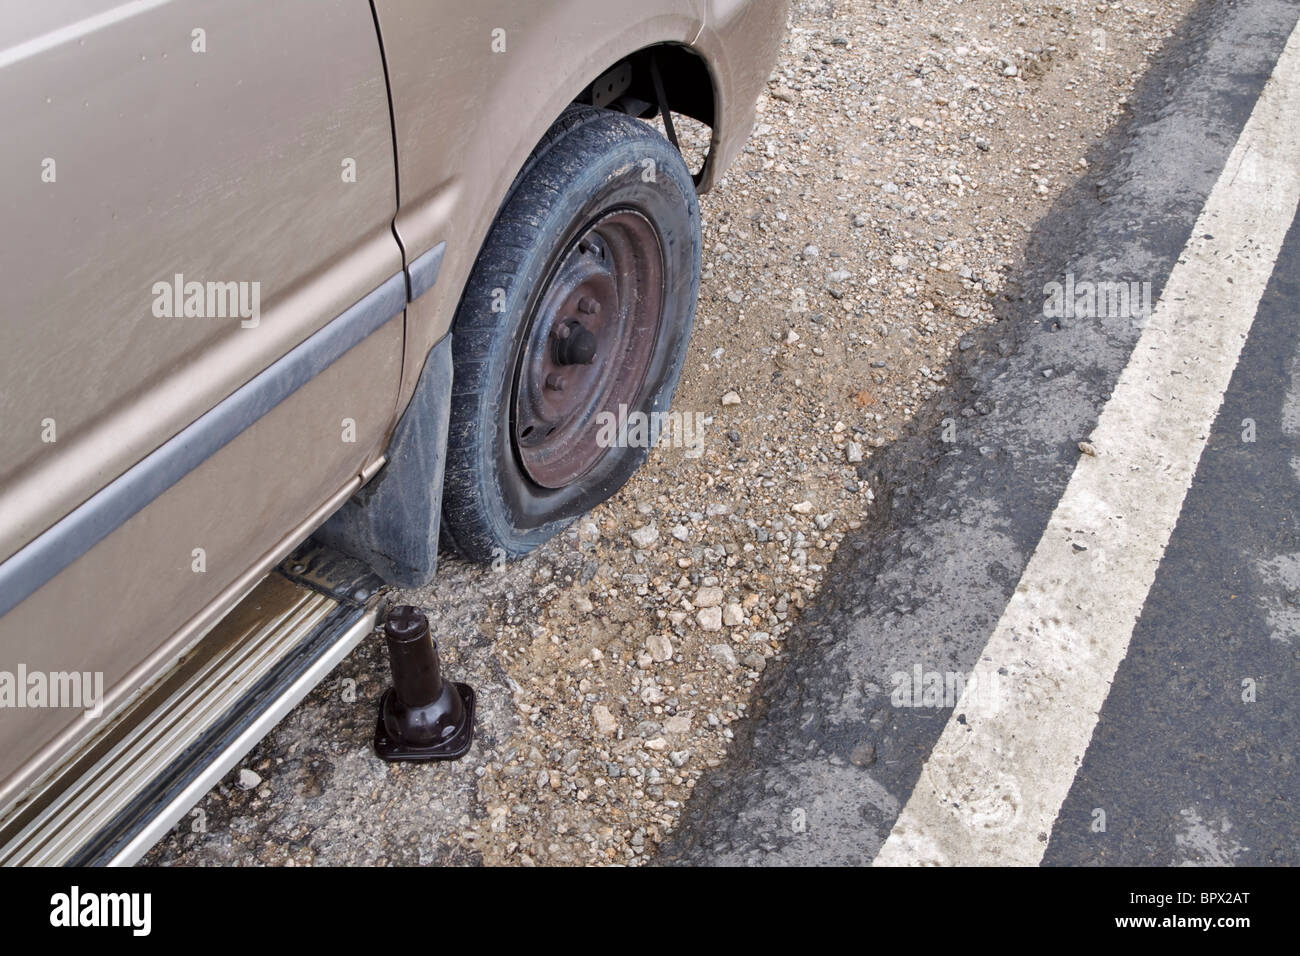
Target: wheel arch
[(689, 85)]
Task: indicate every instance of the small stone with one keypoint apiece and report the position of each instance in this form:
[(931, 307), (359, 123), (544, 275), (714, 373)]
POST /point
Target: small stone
[(823, 521), (678, 724), (606, 726), (810, 251), (802, 508), (723, 654), (853, 451), (657, 744), (660, 648), (733, 615), (248, 780), (710, 618), (645, 537), (863, 754), (731, 398), (709, 597), (1088, 448)]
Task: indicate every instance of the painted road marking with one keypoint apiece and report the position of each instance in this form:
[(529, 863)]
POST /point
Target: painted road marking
[(994, 783)]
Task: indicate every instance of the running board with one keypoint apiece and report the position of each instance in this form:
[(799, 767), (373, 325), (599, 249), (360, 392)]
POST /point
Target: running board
[(131, 784)]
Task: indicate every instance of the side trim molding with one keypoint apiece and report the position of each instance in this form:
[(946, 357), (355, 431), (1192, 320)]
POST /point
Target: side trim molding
[(424, 270), (120, 500)]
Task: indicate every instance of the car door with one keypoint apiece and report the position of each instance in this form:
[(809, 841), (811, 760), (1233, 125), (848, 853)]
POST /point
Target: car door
[(196, 201)]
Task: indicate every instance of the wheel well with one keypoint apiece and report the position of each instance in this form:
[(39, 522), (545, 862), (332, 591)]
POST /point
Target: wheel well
[(629, 86)]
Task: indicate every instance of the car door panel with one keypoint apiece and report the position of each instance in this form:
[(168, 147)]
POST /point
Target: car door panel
[(223, 165), (263, 157)]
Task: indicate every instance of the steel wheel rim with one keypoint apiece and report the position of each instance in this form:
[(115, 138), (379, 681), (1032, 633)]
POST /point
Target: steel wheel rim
[(590, 343)]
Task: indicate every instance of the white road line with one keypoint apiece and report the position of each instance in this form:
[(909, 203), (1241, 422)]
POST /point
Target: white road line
[(994, 784)]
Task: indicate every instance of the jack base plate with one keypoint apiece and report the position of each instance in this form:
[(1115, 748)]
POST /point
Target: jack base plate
[(453, 748)]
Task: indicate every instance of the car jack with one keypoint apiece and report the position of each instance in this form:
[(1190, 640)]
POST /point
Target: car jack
[(421, 717)]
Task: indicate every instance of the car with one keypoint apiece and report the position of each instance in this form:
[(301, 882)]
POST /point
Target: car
[(295, 292)]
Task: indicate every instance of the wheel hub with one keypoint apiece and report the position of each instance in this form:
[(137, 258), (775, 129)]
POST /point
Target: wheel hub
[(575, 344)]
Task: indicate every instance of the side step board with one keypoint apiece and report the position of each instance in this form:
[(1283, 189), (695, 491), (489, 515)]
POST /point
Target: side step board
[(129, 785)]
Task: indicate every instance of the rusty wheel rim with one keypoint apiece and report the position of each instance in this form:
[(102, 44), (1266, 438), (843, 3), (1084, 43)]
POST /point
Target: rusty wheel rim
[(591, 340)]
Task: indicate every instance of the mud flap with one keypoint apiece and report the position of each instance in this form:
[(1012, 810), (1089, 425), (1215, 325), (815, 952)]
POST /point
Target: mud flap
[(392, 523)]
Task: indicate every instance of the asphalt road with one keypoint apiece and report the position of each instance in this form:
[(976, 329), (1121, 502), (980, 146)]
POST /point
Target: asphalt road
[(1192, 757), (1188, 770)]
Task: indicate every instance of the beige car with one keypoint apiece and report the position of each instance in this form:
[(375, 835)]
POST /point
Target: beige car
[(293, 291)]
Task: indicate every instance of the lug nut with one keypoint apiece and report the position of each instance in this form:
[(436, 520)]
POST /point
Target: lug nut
[(588, 306), (555, 382)]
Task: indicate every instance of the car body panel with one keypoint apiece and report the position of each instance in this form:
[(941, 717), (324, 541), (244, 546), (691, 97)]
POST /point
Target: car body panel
[(155, 176), (223, 165), (740, 43), (77, 623)]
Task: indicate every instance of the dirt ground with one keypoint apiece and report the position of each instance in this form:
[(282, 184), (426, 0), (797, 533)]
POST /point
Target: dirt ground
[(901, 154)]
